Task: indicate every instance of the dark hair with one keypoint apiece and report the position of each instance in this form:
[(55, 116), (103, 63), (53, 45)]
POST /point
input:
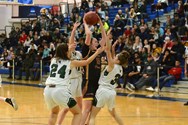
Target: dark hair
[(123, 58), (61, 52)]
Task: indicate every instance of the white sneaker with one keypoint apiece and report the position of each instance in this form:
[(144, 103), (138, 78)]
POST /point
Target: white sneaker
[(150, 89), (130, 87), (157, 90)]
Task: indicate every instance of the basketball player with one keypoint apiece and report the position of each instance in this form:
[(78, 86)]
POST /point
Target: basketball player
[(56, 92), (10, 101), (76, 77), (107, 83), (92, 72)]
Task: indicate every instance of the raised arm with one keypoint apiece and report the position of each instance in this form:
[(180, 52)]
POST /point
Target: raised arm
[(87, 32), (109, 55), (76, 63), (71, 40), (103, 33)]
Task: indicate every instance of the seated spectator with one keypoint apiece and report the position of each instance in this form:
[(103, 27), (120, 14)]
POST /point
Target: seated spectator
[(137, 46), (153, 36), (168, 34), (178, 49), (148, 75), (22, 38), (118, 27), (167, 60), (167, 44), (173, 74), (127, 31), (119, 44), (156, 50), (28, 63), (132, 17), (134, 71)]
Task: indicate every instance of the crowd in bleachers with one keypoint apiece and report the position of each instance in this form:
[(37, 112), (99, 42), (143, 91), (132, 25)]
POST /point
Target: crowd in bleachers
[(158, 43)]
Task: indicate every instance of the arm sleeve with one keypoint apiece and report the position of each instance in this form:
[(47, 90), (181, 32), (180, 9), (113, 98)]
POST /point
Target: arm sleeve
[(85, 50)]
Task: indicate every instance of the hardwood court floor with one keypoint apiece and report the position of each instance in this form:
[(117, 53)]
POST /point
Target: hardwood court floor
[(135, 109)]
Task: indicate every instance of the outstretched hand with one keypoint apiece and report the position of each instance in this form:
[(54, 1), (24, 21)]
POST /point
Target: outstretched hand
[(100, 50), (76, 25)]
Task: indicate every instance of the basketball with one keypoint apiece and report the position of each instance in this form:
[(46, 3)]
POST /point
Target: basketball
[(91, 18)]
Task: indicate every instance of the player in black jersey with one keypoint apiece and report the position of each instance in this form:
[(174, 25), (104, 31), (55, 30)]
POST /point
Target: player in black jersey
[(92, 71)]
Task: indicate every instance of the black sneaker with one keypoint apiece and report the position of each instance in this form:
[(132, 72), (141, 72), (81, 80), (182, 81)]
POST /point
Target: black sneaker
[(186, 104), (12, 102)]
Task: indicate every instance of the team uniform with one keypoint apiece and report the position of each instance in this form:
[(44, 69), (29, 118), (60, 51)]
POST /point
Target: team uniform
[(107, 83), (76, 76), (56, 92), (92, 73)]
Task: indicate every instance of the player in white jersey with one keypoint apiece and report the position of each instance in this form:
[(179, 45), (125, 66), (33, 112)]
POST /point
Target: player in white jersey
[(56, 92), (75, 79), (107, 83)]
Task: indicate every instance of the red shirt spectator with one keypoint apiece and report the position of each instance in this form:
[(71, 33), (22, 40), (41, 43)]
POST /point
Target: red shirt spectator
[(23, 37)]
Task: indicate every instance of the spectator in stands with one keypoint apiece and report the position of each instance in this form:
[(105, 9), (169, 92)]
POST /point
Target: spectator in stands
[(178, 49), (147, 46), (27, 65), (128, 45), (132, 17), (60, 18), (173, 74), (14, 37), (159, 4), (127, 31), (180, 9), (22, 38), (84, 6), (134, 71), (144, 54), (105, 7), (156, 50), (167, 44), (153, 36), (119, 45), (118, 27), (143, 35), (142, 10), (148, 75), (19, 60), (46, 54), (133, 34), (35, 70), (142, 22), (168, 34), (99, 10), (54, 24), (177, 22), (168, 22), (167, 61), (137, 46), (27, 27), (120, 13)]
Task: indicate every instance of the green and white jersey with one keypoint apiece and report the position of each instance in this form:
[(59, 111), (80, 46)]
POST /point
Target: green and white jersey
[(77, 71), (109, 79), (59, 72)]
